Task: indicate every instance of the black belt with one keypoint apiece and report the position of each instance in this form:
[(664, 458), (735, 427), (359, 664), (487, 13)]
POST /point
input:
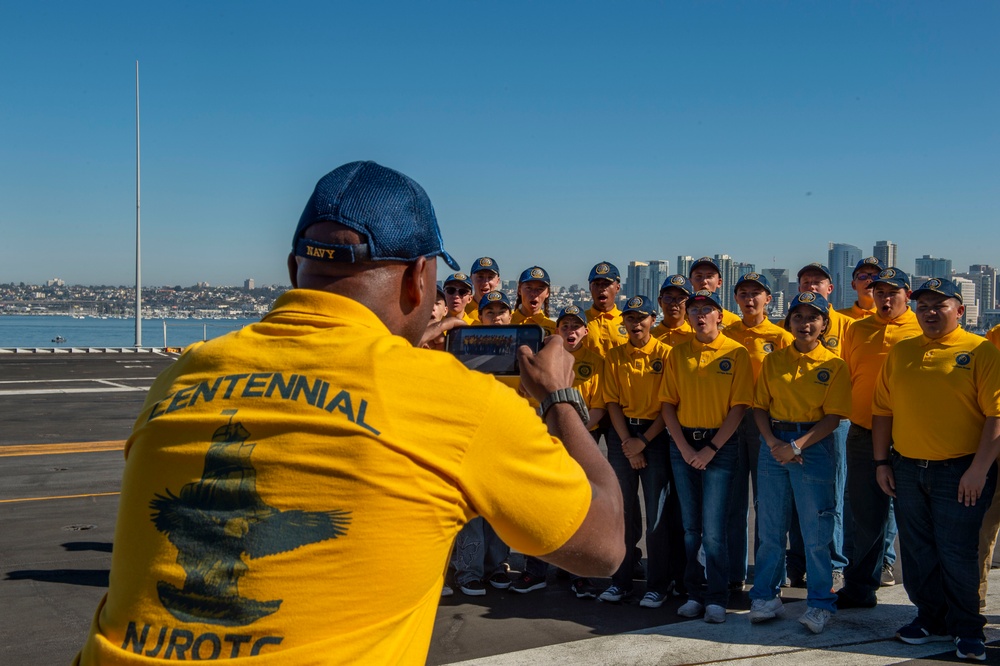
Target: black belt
[(920, 462), (856, 429), (698, 434), (642, 423), (790, 426)]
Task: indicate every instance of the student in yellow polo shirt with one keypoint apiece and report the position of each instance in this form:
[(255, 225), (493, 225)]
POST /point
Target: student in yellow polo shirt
[(532, 304), (707, 387), (674, 328), (755, 332), (705, 274), (802, 393), (865, 271), (485, 276), (637, 451), (937, 403), (991, 522), (458, 294), (604, 319), (866, 345)]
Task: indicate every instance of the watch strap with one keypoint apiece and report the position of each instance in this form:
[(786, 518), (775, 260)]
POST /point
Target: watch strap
[(567, 395)]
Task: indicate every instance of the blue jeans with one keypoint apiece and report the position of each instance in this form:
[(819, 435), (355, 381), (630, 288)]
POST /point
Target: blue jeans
[(869, 509), (745, 479), (661, 511), (939, 540), (479, 552), (838, 557), (810, 488), (705, 497)]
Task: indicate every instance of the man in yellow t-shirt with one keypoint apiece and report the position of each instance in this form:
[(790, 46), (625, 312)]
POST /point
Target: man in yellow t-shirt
[(937, 403), (485, 275), (268, 466), (706, 275), (674, 328), (865, 271), (604, 319)]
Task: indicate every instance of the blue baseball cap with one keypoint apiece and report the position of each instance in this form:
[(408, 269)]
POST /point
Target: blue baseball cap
[(816, 266), (389, 209), (893, 276), (811, 299), (873, 262), (678, 281), (485, 264), (494, 297), (642, 304), (756, 278), (572, 311), (704, 296), (605, 271), (534, 274), (705, 260), (942, 286), (458, 277)]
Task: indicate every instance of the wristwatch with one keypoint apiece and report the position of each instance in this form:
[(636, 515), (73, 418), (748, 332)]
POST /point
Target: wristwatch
[(795, 448), (569, 395)]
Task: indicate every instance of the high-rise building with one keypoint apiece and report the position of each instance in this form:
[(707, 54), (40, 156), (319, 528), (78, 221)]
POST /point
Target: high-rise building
[(645, 277), (781, 291), (986, 276), (684, 264), (730, 272), (248, 284), (841, 260), (659, 269), (885, 251), (971, 317), (928, 266)]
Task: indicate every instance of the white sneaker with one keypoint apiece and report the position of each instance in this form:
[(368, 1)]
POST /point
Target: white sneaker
[(446, 591), (715, 614), (765, 609), (815, 619), (691, 608)]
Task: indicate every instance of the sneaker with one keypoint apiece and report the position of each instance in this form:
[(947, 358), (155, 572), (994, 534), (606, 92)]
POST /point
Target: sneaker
[(499, 580), (888, 578), (653, 599), (528, 583), (838, 580), (845, 601), (715, 614), (915, 633), (446, 591), (473, 588), (970, 648), (583, 588), (614, 594), (815, 619), (737, 585), (691, 608), (765, 609), (796, 578)]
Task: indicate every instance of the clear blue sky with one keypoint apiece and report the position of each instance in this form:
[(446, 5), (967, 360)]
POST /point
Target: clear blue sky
[(553, 133)]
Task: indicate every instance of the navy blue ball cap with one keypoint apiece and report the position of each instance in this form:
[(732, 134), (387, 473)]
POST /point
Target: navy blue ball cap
[(485, 264), (461, 278), (641, 304), (705, 261), (572, 311), (678, 281), (893, 276), (942, 286), (873, 262), (605, 271), (755, 278), (811, 299), (704, 297), (389, 209), (815, 266), (534, 274), (494, 297)]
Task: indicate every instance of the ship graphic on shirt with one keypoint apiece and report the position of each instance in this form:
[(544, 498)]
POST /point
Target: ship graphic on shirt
[(220, 525)]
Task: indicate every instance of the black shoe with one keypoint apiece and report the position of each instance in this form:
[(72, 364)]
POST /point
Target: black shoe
[(473, 588), (737, 585), (845, 601), (888, 576), (583, 589), (528, 583), (796, 578), (638, 571), (499, 580)]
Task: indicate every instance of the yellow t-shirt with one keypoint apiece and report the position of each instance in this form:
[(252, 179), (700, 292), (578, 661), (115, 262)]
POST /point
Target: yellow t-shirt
[(605, 330), (673, 336), (587, 368), (939, 394), (517, 318), (803, 388), (867, 344), (760, 340), (993, 335), (856, 312), (834, 337), (271, 467), (632, 377), (704, 381)]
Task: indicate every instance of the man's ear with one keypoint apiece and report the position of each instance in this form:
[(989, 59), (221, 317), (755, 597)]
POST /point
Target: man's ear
[(415, 281), (293, 270)]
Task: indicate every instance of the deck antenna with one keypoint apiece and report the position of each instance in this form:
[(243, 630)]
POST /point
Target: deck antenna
[(138, 257)]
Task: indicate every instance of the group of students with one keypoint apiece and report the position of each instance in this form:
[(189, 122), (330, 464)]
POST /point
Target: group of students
[(707, 405)]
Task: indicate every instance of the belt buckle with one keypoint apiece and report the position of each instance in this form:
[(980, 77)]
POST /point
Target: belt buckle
[(635, 422), (698, 435), (922, 463)]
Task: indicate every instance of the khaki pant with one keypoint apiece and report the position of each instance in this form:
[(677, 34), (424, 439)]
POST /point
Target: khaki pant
[(987, 543)]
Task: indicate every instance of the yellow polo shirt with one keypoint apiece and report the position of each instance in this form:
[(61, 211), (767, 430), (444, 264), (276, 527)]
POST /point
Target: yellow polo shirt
[(605, 330), (993, 335), (833, 339), (517, 318), (868, 342), (803, 388), (587, 368), (271, 465), (939, 394), (472, 311), (673, 336), (704, 381), (856, 312), (633, 375), (760, 340), (729, 319)]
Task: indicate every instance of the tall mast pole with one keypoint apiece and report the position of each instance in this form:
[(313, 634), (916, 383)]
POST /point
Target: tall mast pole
[(138, 256)]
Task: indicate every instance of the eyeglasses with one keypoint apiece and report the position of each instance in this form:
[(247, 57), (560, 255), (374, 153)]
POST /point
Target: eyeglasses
[(865, 277), (700, 309), (673, 299), (451, 291)]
